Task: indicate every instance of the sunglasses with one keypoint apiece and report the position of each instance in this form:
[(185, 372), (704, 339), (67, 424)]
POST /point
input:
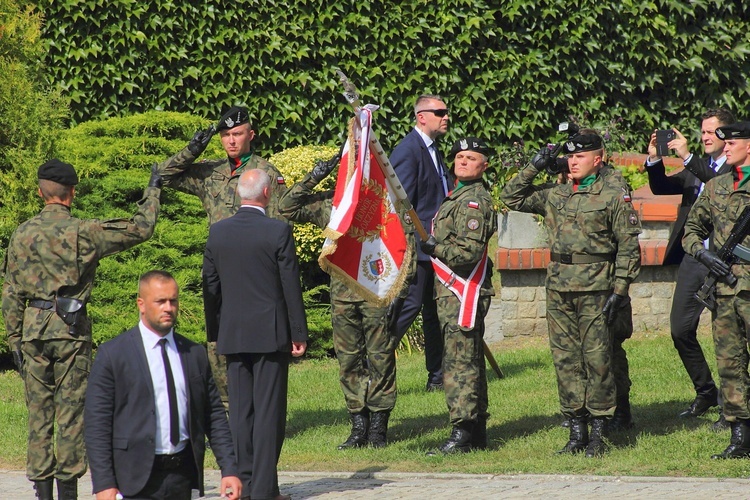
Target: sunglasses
[(437, 112)]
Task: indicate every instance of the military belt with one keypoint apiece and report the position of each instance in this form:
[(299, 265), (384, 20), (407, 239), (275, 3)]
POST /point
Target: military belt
[(41, 304), (581, 258)]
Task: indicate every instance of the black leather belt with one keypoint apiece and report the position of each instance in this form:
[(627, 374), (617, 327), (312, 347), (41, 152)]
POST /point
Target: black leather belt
[(580, 258), (171, 462), (41, 304)]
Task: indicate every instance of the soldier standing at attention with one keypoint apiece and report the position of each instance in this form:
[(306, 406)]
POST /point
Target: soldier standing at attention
[(215, 183), (49, 273), (594, 256), (717, 209), (363, 339), (463, 225)]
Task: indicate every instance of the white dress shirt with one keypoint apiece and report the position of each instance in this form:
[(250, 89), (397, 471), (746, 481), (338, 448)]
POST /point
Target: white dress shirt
[(161, 395), (432, 148)]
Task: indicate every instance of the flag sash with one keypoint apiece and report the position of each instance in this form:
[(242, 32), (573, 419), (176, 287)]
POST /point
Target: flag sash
[(467, 290)]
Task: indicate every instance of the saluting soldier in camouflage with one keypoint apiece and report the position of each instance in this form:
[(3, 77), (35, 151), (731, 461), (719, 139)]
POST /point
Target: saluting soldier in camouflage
[(215, 183), (593, 233), (49, 273), (362, 332), (462, 228), (717, 209), (621, 328)]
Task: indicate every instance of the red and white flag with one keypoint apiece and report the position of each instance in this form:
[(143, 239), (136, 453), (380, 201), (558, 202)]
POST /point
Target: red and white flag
[(365, 242)]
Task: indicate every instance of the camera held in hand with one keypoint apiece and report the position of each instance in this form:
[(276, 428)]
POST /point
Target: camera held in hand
[(556, 165)]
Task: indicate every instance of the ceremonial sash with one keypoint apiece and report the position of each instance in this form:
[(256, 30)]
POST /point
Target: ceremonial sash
[(467, 290)]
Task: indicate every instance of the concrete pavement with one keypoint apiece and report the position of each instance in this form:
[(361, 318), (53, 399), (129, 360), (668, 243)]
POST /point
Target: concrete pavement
[(406, 485)]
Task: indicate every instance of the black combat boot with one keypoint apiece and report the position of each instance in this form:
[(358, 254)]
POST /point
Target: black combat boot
[(739, 444), (458, 442), (43, 489), (358, 437), (377, 435), (579, 436), (67, 490), (596, 446), (622, 420), (479, 435), (721, 424)]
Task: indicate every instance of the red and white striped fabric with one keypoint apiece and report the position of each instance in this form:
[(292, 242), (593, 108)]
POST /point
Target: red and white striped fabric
[(365, 242), (467, 290)]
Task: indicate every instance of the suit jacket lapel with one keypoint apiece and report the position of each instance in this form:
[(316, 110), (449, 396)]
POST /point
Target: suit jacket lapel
[(142, 361), (723, 169)]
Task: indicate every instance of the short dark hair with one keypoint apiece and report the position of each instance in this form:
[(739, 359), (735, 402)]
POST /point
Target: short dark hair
[(51, 189), (724, 116), (425, 97), (156, 274)]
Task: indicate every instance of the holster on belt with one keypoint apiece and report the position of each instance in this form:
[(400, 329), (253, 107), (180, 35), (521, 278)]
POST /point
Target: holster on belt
[(68, 308)]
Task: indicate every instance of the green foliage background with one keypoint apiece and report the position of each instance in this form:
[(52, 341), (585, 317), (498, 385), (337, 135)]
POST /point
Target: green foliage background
[(30, 113), (509, 69)]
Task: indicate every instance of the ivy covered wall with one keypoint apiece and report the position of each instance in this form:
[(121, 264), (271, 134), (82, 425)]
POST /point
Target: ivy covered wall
[(508, 69)]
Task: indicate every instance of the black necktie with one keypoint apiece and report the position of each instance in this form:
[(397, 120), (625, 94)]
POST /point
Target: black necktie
[(174, 414), (441, 169)]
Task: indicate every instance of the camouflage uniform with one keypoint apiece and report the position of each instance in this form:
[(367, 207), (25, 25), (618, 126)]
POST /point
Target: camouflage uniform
[(49, 251), (622, 327), (718, 208), (214, 182), (462, 227), (364, 347), (595, 223)]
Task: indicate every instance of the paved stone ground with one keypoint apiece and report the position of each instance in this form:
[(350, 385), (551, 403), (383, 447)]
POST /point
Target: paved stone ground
[(384, 485)]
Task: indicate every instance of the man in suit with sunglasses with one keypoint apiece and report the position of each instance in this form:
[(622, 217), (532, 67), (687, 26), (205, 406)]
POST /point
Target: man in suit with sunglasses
[(421, 170)]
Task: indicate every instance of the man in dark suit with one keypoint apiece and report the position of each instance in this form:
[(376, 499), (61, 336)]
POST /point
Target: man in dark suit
[(686, 309), (150, 404), (253, 301), (420, 167)]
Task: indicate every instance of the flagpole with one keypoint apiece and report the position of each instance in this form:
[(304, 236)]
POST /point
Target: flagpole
[(352, 97)]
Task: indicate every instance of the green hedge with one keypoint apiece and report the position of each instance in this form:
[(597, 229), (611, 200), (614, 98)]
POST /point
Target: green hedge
[(509, 70)]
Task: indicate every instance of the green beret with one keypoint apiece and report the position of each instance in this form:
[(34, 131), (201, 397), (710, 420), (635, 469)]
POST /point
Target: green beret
[(57, 171), (739, 130), (237, 115), (583, 142), (470, 144)]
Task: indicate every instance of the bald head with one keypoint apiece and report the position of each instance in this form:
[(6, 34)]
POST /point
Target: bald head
[(254, 188)]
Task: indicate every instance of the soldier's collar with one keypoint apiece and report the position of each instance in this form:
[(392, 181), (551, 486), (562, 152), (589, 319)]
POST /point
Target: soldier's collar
[(239, 163)]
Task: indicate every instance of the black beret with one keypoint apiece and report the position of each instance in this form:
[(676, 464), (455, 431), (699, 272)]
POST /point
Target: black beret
[(739, 130), (470, 144), (583, 142), (237, 115), (57, 171)]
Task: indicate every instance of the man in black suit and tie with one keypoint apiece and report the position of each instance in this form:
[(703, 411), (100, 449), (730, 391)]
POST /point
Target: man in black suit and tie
[(150, 404), (421, 169), (686, 309), (253, 301)]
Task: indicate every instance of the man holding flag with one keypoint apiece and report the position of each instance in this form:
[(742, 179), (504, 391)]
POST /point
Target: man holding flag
[(367, 256), (462, 228)]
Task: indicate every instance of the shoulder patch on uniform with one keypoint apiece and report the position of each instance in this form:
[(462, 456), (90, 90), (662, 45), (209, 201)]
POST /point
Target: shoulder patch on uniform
[(473, 204), (280, 180), (633, 218), (472, 224), (626, 195)]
